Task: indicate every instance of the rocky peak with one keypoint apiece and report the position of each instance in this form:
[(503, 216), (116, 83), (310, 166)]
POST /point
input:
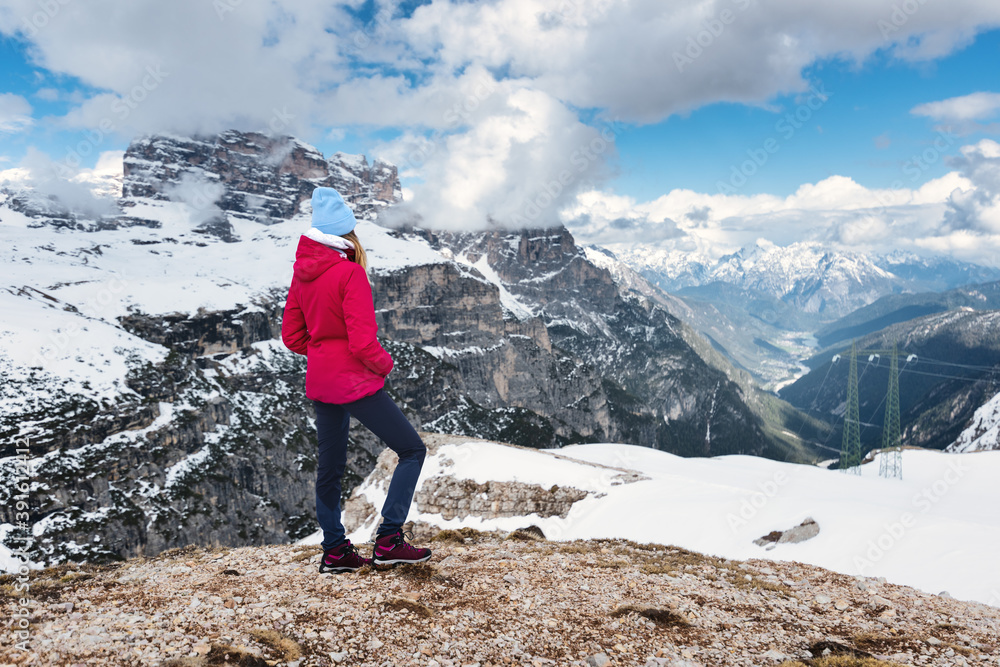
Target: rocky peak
[(252, 176)]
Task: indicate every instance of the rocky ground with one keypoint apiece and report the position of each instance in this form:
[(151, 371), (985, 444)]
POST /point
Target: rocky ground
[(487, 600)]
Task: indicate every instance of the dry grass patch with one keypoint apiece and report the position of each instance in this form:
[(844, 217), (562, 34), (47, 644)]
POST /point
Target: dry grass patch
[(419, 571), (287, 647), (459, 535), (178, 552), (304, 554), (755, 584), (656, 614), (574, 548), (948, 627), (958, 648), (529, 534), (52, 582), (840, 661), (219, 654), (401, 604)]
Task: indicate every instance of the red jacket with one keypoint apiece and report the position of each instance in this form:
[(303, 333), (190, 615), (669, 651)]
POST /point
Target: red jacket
[(330, 318)]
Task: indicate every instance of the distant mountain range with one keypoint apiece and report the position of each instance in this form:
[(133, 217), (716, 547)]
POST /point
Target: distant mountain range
[(807, 276), (895, 308), (768, 308)]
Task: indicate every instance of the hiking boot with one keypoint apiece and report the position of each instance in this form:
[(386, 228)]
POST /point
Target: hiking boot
[(392, 549), (343, 558)]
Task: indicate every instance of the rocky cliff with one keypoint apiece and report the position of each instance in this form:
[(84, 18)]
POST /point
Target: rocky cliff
[(252, 176), (189, 424)]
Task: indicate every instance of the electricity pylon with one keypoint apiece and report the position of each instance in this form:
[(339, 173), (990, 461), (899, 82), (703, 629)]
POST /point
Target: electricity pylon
[(891, 461), (850, 449)]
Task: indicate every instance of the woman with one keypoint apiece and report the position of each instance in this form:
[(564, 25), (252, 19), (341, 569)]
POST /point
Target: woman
[(330, 318)]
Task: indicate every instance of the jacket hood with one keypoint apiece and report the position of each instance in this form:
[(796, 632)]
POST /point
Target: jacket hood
[(312, 259)]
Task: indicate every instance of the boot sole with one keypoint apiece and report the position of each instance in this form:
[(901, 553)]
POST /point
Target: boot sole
[(400, 561)]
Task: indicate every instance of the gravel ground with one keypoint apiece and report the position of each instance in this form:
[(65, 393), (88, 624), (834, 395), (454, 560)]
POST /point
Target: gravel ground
[(485, 600)]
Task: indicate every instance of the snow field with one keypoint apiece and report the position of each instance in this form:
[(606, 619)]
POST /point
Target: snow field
[(937, 529)]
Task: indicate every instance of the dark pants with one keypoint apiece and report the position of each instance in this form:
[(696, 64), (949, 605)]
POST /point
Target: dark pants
[(383, 418)]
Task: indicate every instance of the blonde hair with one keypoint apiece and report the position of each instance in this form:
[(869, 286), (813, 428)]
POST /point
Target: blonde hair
[(360, 256)]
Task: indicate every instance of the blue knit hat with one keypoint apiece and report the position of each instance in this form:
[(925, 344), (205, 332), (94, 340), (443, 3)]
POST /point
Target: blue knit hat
[(331, 214)]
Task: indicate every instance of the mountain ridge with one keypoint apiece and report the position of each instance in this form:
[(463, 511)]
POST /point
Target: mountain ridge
[(170, 412), (807, 275)]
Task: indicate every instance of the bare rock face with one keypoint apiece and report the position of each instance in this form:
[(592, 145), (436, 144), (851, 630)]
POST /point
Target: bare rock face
[(658, 390), (483, 360), (459, 498), (252, 176), (806, 530), (452, 497)]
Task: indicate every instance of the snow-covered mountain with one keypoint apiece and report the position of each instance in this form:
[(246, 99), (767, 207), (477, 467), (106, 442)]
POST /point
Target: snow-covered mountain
[(806, 275), (983, 433), (141, 365)]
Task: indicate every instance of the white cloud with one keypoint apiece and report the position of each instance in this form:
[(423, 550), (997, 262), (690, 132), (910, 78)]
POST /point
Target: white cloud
[(646, 59), (516, 166), (976, 207), (977, 106), (15, 113), (309, 66), (47, 94), (957, 214), (67, 191)]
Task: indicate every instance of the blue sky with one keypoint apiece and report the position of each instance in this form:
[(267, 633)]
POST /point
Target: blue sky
[(696, 150), (689, 150), (379, 77)]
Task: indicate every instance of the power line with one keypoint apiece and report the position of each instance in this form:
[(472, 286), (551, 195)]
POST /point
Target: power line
[(947, 377), (928, 360)]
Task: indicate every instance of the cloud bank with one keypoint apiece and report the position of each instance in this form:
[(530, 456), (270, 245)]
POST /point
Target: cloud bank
[(559, 72), (957, 214)]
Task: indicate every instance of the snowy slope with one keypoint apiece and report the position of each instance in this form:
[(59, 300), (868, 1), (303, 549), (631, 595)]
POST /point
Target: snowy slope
[(937, 529), (983, 434), (62, 302)]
